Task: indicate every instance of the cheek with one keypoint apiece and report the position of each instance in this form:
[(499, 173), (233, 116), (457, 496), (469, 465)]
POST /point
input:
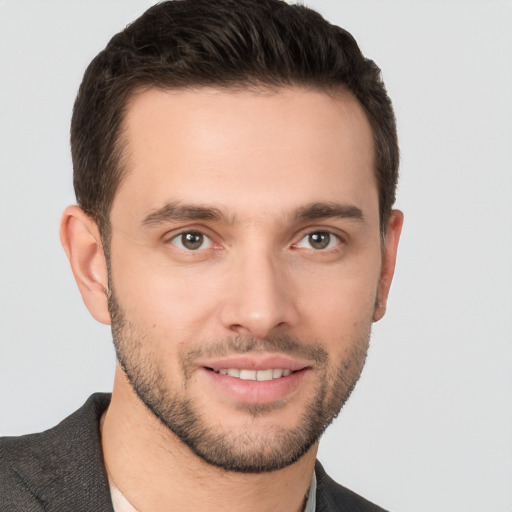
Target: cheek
[(160, 297), (340, 303), (182, 301)]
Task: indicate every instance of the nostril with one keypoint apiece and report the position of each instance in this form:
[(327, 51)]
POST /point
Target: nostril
[(239, 329)]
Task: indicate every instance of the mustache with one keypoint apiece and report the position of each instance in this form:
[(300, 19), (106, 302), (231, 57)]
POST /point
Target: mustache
[(282, 343)]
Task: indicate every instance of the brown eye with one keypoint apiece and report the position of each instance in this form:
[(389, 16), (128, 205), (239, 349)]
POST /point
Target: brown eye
[(192, 241), (318, 240)]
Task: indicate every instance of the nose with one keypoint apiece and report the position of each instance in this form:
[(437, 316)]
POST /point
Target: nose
[(260, 299)]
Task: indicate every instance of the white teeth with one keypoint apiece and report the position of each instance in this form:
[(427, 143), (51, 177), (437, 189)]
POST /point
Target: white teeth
[(248, 374), (264, 375), (259, 375)]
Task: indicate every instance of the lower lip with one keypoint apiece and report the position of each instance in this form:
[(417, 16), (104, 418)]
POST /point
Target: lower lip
[(257, 392)]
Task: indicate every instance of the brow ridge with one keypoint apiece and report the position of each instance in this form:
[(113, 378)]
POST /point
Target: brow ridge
[(174, 211), (318, 211)]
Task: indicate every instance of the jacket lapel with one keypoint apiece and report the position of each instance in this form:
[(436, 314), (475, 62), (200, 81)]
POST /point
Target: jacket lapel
[(62, 468)]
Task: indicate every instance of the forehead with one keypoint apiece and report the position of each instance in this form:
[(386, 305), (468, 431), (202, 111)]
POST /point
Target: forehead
[(280, 147)]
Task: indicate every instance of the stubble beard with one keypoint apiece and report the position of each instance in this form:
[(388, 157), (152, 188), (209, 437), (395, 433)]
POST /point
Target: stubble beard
[(239, 451)]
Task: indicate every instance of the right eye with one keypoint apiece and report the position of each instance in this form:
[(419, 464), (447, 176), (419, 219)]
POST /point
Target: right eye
[(192, 241)]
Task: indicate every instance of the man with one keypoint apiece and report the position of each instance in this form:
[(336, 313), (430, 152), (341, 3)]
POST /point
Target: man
[(235, 166)]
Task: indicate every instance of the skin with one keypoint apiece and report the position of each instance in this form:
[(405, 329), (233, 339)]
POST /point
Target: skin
[(259, 158)]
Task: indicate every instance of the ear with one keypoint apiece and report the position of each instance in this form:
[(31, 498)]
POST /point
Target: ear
[(81, 240), (389, 250)]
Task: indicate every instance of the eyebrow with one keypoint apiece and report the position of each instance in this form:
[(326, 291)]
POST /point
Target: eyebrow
[(178, 212), (175, 211), (318, 211)]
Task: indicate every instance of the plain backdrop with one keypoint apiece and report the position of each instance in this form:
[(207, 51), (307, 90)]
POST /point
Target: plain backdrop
[(429, 428)]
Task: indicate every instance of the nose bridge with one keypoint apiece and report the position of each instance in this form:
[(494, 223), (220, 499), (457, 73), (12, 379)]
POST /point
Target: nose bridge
[(260, 298)]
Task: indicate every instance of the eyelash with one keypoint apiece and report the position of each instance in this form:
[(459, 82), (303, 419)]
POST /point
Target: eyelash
[(179, 240), (331, 237)]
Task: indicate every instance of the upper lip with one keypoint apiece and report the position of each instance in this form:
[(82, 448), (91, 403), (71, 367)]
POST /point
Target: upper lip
[(255, 361)]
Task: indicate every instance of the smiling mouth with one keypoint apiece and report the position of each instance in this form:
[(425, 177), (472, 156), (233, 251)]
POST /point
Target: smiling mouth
[(257, 375)]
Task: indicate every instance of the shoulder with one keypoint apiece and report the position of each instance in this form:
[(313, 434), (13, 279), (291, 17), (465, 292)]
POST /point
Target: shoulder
[(333, 497), (38, 470)]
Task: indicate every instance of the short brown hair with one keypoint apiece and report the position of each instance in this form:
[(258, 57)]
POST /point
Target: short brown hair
[(225, 44)]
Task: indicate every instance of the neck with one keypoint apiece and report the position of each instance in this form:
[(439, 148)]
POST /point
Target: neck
[(155, 471)]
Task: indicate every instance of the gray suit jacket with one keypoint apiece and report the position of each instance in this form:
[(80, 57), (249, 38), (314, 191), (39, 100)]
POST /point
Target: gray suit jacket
[(61, 470)]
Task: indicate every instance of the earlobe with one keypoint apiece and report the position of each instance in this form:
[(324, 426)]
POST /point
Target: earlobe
[(389, 252), (81, 240)]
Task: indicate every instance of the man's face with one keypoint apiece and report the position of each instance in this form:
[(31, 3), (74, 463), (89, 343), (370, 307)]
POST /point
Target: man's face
[(245, 266)]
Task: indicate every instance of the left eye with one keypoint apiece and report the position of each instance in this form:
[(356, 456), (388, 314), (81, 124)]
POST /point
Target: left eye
[(192, 241), (318, 240)]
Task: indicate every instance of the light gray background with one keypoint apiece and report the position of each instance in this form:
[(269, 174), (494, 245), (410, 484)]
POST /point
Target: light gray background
[(429, 428)]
